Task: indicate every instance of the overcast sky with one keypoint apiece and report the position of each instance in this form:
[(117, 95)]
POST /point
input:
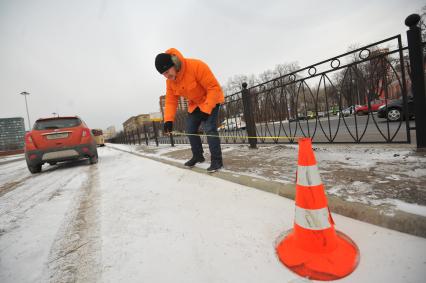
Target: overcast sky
[(95, 58)]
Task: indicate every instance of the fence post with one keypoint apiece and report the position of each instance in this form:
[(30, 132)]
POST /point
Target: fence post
[(139, 135), (154, 127), (415, 48), (172, 141), (248, 116), (146, 136)]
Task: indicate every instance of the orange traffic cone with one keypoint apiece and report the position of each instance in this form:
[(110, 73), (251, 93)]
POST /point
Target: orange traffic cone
[(313, 248)]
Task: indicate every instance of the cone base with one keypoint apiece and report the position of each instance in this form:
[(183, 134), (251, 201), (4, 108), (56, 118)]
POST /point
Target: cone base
[(319, 266)]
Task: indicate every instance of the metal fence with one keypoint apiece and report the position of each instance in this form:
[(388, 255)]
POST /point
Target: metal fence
[(337, 100)]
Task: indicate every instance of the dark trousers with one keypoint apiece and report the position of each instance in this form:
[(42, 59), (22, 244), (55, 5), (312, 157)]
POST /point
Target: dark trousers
[(210, 128)]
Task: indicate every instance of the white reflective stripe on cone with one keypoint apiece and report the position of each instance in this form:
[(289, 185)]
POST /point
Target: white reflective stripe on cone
[(308, 176), (312, 219)]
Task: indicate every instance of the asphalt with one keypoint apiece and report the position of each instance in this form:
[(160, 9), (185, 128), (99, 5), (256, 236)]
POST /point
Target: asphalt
[(257, 169)]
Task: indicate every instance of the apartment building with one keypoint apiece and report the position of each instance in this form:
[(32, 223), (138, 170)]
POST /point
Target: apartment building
[(110, 132), (182, 104), (135, 122), (12, 133)]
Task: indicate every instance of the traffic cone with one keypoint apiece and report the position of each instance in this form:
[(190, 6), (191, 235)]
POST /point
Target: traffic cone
[(313, 248)]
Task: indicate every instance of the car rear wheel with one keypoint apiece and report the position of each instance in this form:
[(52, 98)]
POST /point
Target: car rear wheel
[(394, 114), (34, 168), (93, 159)]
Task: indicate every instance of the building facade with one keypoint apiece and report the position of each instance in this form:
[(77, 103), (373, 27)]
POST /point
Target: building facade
[(12, 133), (135, 122), (182, 104), (143, 119), (110, 132), (130, 124)]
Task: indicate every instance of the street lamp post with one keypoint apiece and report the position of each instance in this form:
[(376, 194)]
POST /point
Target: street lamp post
[(24, 93)]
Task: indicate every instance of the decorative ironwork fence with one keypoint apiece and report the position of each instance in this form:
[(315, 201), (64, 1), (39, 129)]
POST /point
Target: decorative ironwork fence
[(349, 98), (335, 100)]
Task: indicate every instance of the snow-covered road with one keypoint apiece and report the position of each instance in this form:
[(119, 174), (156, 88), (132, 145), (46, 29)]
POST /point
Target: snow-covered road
[(131, 219)]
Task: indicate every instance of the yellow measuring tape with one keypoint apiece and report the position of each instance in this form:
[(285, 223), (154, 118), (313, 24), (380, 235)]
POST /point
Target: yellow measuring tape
[(247, 137)]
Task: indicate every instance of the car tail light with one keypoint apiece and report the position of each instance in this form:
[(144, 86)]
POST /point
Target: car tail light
[(85, 133), (86, 149), (29, 143), (33, 156)]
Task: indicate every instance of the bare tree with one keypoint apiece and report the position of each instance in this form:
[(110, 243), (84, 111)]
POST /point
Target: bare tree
[(422, 23), (234, 84), (286, 68), (266, 76)]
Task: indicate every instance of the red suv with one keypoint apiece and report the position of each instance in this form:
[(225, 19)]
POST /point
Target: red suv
[(58, 139), (374, 106)]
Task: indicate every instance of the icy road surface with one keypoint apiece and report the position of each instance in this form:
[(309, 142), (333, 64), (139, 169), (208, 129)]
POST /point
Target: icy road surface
[(131, 219)]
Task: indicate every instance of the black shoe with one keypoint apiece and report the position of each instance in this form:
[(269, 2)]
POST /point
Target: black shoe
[(214, 166), (194, 160)]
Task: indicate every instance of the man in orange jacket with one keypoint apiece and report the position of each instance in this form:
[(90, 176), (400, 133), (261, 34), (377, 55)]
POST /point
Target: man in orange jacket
[(192, 79)]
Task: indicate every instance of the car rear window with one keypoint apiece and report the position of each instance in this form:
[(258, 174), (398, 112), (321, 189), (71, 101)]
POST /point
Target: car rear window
[(57, 123), (97, 132)]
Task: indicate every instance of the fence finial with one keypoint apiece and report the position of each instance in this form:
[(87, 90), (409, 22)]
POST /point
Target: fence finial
[(412, 20)]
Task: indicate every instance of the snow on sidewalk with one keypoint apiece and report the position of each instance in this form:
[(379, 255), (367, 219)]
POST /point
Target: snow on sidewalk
[(390, 178), (159, 223)]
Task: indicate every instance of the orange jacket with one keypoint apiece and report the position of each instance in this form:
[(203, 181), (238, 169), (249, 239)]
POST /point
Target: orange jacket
[(196, 83)]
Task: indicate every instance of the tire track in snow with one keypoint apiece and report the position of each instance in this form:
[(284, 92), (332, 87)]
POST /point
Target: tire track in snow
[(28, 194), (10, 186), (31, 216), (76, 252), (35, 189)]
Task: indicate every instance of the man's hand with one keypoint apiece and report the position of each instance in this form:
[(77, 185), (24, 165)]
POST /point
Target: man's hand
[(168, 127)]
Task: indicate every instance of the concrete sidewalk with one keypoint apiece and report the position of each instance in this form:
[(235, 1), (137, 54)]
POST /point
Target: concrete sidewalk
[(381, 184)]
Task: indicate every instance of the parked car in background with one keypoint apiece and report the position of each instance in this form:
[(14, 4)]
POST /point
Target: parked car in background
[(58, 139), (232, 124), (314, 114), (99, 137), (300, 116), (321, 114), (394, 111), (374, 106), (347, 111), (333, 110), (310, 114)]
